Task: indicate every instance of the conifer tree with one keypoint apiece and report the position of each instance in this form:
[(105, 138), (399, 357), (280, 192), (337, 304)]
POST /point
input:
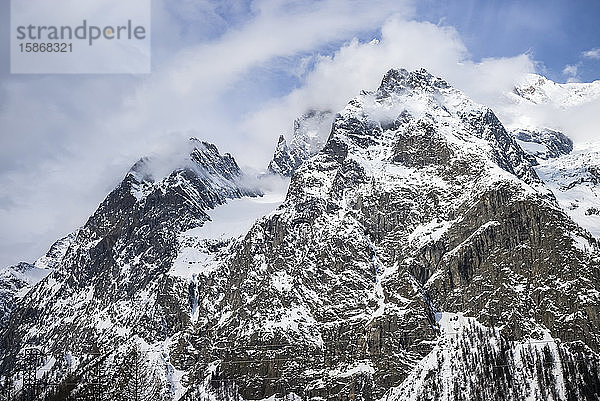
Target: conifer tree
[(136, 380)]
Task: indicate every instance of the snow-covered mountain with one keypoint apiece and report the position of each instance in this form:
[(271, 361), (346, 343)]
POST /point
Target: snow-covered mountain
[(416, 255), (572, 175), (15, 282), (543, 143), (111, 288), (537, 89), (575, 181)]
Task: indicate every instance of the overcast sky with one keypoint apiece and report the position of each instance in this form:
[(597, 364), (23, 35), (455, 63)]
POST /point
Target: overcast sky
[(237, 73)]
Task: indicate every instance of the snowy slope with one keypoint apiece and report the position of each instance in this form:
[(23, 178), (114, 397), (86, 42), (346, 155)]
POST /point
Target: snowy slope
[(22, 275), (543, 143), (575, 181), (17, 281), (571, 175), (226, 223), (540, 90), (235, 218)]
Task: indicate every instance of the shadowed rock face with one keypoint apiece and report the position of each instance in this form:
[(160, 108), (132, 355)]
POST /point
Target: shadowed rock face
[(544, 143), (418, 245)]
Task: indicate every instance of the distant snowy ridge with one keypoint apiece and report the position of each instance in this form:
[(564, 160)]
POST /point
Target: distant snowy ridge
[(572, 175), (540, 90), (575, 181), (17, 281), (543, 143)]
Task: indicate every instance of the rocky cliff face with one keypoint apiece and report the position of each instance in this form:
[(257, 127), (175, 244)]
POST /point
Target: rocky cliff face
[(417, 255), (111, 284)]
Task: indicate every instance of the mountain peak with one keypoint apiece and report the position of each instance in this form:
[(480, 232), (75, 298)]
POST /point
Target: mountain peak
[(418, 105), (199, 156), (415, 245), (308, 137), (401, 78)]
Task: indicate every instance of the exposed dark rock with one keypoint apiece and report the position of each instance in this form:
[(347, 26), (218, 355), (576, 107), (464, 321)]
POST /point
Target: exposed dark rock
[(551, 143)]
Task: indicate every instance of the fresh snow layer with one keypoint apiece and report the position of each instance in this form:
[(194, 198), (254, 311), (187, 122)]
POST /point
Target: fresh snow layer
[(235, 218), (228, 221), (533, 148)]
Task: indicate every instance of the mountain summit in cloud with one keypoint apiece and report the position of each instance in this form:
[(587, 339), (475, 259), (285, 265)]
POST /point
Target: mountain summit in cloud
[(308, 137)]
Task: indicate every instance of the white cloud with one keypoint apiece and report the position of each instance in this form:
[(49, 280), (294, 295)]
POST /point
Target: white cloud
[(571, 72), (592, 53), (579, 122)]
